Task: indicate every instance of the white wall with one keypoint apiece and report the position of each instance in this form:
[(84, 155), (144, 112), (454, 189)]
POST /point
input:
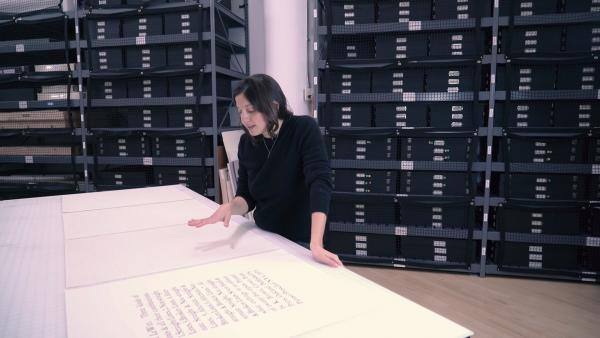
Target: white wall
[(256, 35), (278, 46)]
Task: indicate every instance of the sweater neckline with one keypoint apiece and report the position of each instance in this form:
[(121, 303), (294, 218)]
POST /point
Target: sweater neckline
[(282, 128)]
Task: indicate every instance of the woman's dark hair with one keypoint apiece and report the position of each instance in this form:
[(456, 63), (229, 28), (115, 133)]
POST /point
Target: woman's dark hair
[(261, 90)]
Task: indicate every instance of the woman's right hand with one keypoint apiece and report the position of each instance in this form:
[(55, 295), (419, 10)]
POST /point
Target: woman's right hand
[(222, 214)]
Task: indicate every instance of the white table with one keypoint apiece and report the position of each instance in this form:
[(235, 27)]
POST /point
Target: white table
[(77, 264)]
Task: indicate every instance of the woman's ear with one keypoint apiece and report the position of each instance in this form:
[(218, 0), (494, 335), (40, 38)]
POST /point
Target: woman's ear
[(275, 105)]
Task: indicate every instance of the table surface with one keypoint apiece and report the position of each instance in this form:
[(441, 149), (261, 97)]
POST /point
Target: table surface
[(61, 249)]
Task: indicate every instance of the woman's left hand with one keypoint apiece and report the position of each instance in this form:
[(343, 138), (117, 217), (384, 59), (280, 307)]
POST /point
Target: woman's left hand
[(323, 256)]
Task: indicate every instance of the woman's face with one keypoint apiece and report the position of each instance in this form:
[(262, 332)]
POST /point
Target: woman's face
[(253, 121)]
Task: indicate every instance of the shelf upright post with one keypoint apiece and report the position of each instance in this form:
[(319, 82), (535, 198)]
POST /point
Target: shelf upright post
[(247, 38), (315, 48), (489, 140), (213, 98), (82, 128)]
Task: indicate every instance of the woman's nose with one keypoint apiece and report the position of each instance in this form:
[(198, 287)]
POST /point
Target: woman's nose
[(244, 116)]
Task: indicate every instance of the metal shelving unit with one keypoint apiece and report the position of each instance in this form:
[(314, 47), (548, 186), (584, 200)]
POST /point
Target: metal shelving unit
[(491, 160), (38, 142), (399, 231), (209, 103), (531, 249)]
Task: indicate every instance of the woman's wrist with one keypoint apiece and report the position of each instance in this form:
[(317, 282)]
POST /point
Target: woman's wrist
[(316, 244)]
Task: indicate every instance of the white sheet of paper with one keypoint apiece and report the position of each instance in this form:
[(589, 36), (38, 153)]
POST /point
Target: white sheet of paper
[(104, 258), (232, 170), (121, 198), (288, 298), (397, 320), (140, 217), (32, 262), (231, 140)]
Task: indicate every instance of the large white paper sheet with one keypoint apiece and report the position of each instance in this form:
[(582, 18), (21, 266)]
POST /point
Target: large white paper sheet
[(402, 319), (273, 294), (32, 269), (117, 273), (121, 198), (139, 217), (103, 258)]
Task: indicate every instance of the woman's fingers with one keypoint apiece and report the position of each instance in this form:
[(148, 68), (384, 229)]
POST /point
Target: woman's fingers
[(331, 261), (200, 222), (210, 220), (327, 258), (328, 261), (192, 222), (335, 259), (221, 214)]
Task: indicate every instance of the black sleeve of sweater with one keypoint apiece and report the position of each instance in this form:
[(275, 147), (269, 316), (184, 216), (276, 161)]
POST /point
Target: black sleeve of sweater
[(316, 168), (242, 186)]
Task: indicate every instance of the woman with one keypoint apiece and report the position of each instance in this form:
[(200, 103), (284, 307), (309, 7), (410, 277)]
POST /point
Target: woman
[(283, 169)]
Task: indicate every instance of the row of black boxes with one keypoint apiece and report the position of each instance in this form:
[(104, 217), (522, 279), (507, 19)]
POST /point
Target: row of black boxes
[(382, 11), (521, 114), (407, 102), (140, 144), (454, 79), (115, 177)]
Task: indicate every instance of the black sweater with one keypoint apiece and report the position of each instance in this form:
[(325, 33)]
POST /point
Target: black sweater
[(291, 183)]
